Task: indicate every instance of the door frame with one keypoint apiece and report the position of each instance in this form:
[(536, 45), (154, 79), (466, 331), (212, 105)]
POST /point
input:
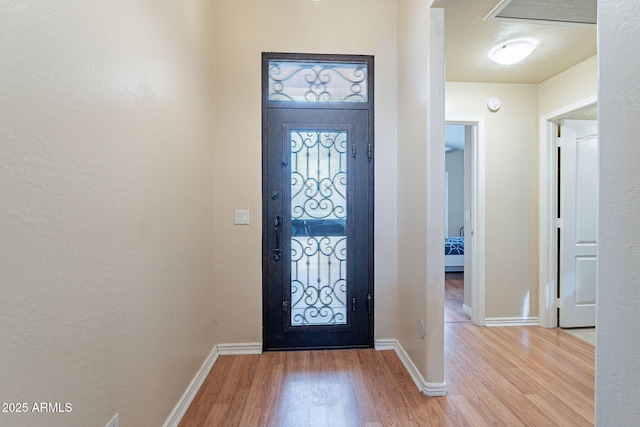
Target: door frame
[(548, 208), (478, 210)]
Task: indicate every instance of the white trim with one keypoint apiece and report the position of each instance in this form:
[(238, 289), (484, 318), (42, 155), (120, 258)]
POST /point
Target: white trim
[(512, 321), (426, 388), (467, 310), (478, 208), (240, 348), (385, 344), (218, 350), (547, 202), (183, 404), (113, 422), (493, 17)]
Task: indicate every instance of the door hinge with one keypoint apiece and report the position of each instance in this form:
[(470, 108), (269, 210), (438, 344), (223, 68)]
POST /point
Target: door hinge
[(285, 305), (370, 151), (353, 151), (558, 142), (559, 303), (353, 304), (559, 223), (369, 303)]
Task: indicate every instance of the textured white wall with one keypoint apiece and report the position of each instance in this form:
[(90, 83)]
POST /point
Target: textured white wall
[(511, 192), (618, 314), (242, 31), (105, 237)]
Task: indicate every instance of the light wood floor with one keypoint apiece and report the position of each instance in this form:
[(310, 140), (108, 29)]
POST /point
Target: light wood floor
[(503, 376), (454, 298)]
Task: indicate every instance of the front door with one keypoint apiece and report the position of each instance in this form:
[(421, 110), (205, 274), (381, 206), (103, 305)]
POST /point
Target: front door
[(317, 211), (579, 219)]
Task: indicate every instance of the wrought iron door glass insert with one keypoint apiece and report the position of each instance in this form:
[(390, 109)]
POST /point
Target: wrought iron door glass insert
[(318, 227), (317, 82)]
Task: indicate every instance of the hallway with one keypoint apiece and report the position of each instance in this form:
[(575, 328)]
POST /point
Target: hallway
[(517, 376)]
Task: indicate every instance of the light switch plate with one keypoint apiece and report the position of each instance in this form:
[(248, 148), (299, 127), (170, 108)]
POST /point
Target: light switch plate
[(242, 217)]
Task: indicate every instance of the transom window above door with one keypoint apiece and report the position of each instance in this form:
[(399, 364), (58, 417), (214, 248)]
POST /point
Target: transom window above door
[(301, 81)]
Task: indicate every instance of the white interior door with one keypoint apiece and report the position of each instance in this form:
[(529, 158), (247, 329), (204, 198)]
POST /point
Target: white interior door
[(578, 225)]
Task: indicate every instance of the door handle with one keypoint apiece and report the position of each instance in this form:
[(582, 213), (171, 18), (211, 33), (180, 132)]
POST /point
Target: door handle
[(277, 223)]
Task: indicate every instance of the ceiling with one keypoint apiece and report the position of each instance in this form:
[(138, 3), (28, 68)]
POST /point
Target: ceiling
[(469, 37)]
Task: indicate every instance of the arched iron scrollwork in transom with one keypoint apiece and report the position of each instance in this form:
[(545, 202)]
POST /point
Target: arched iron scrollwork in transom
[(318, 82)]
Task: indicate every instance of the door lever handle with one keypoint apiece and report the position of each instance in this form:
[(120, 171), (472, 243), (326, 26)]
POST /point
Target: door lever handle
[(277, 223)]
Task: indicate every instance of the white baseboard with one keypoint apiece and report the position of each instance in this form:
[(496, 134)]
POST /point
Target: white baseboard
[(385, 344), (183, 404), (426, 388), (466, 310), (429, 389), (512, 321), (218, 350), (240, 348)]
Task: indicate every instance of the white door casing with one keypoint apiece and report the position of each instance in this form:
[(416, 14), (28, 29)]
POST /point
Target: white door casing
[(548, 206), (578, 222)]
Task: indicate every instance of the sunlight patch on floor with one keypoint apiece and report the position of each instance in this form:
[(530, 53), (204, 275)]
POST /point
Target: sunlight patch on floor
[(585, 334)]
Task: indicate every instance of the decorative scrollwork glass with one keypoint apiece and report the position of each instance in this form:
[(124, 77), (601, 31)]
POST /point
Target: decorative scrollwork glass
[(318, 82), (318, 227)]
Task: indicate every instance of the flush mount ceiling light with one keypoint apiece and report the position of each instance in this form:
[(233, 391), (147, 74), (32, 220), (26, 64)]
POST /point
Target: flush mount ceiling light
[(512, 51)]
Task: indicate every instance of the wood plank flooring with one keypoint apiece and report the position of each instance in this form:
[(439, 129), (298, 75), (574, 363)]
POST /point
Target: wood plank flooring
[(502, 376), (454, 298)]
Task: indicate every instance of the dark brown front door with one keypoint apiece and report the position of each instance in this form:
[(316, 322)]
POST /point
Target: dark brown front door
[(317, 225)]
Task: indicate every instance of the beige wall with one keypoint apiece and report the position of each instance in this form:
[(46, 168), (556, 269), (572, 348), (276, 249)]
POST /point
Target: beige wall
[(511, 192), (121, 266), (105, 164), (412, 179), (512, 149), (573, 85), (242, 30), (420, 189)]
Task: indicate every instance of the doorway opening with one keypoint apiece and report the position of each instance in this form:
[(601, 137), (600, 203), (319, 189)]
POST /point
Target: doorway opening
[(568, 215), (317, 201), (465, 213)]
